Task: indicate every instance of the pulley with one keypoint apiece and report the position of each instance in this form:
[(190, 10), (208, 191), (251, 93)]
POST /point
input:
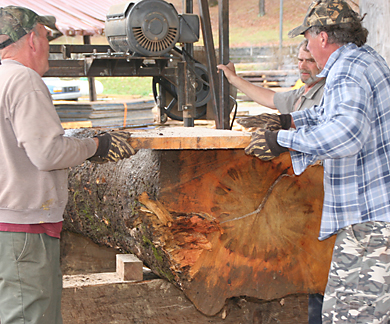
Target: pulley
[(202, 92)]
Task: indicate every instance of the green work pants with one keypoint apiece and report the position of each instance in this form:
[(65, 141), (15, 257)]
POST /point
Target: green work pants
[(30, 279)]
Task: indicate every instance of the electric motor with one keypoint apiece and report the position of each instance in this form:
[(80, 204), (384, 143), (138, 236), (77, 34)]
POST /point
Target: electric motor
[(149, 27)]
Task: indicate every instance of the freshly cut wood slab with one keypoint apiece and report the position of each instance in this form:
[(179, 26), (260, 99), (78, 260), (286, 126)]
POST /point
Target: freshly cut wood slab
[(189, 138)]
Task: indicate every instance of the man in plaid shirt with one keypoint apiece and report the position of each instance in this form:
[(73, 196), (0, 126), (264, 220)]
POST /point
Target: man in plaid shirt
[(350, 132)]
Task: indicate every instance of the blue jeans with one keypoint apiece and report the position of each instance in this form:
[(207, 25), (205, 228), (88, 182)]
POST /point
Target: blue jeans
[(315, 308)]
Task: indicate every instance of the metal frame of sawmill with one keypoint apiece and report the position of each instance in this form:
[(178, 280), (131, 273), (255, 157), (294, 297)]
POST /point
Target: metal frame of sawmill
[(101, 61)]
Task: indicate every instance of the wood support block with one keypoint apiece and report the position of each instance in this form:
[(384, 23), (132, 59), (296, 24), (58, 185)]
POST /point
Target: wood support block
[(129, 267)]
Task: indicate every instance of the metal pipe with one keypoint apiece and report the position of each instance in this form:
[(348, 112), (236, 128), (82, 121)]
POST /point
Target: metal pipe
[(224, 87), (281, 27), (190, 113), (211, 60), (181, 85), (91, 81), (189, 5)]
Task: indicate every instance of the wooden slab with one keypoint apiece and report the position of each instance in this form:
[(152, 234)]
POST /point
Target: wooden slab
[(189, 138)]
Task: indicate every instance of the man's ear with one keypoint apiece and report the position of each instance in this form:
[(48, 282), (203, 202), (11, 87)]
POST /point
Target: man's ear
[(323, 39), (31, 40)]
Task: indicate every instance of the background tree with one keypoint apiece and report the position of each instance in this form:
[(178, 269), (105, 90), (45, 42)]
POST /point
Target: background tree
[(261, 8)]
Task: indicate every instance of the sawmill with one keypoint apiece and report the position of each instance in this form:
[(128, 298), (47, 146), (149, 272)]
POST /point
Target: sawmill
[(190, 229), (143, 38)]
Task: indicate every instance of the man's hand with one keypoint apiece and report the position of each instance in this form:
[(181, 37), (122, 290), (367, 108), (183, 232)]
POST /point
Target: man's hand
[(271, 122), (264, 145), (229, 70), (266, 121), (259, 147), (113, 147)]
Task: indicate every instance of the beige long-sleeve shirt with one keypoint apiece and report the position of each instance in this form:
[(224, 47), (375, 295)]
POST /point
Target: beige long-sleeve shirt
[(33, 151)]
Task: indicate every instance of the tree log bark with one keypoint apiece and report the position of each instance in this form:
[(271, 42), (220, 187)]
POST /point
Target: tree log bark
[(216, 223)]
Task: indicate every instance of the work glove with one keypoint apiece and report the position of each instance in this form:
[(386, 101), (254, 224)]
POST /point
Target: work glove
[(264, 145), (271, 122), (113, 147)]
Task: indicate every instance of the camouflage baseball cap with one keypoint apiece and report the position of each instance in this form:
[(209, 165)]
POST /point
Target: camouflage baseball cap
[(325, 13), (16, 22)]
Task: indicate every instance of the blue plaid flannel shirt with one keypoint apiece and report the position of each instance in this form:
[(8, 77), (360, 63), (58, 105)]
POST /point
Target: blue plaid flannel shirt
[(350, 131)]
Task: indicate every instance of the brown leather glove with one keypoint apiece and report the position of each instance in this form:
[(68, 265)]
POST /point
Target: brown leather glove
[(113, 147), (264, 145), (267, 121)]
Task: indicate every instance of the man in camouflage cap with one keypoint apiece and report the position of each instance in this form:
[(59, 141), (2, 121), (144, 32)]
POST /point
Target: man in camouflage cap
[(33, 175), (325, 13), (350, 132), (15, 22)]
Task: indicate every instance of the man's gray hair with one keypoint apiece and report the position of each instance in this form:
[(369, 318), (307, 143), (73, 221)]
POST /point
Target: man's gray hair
[(343, 34)]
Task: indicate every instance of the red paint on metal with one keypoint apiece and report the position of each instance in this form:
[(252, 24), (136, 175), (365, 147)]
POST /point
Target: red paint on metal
[(74, 17)]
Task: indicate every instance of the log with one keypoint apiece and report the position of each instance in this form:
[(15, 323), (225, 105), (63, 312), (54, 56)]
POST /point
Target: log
[(214, 222)]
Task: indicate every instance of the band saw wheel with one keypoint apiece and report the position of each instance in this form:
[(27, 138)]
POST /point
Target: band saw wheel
[(170, 106)]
